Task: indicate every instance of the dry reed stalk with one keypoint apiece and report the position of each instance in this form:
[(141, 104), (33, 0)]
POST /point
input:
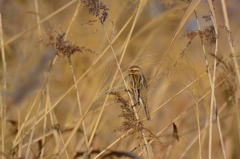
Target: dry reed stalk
[(53, 120), (44, 125), (213, 18), (199, 130), (38, 21), (33, 127), (73, 18), (57, 132), (18, 137), (79, 122), (73, 75), (225, 15), (78, 101), (214, 98), (4, 86), (88, 109), (40, 33), (19, 127)]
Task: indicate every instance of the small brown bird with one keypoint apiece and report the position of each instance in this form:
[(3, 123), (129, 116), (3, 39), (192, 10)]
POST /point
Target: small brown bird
[(138, 87)]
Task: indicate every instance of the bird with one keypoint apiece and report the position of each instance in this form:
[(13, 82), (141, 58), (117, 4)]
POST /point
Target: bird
[(138, 87)]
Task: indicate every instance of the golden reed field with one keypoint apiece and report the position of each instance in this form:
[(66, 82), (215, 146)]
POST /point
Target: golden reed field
[(144, 79)]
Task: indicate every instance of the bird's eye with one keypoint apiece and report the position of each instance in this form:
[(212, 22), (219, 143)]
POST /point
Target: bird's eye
[(131, 70)]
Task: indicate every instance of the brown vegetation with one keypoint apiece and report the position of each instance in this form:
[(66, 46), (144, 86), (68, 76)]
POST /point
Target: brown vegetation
[(63, 72)]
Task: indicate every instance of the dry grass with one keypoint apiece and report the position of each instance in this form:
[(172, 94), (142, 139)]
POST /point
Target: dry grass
[(63, 90)]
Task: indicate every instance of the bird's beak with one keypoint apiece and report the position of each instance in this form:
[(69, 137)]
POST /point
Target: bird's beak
[(127, 72)]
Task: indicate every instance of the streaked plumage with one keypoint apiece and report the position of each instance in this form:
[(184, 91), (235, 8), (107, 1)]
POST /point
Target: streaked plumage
[(138, 87)]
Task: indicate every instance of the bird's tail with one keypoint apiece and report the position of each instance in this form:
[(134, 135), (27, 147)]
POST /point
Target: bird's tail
[(145, 109)]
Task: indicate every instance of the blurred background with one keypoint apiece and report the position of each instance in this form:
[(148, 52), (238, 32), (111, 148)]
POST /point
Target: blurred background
[(34, 81)]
